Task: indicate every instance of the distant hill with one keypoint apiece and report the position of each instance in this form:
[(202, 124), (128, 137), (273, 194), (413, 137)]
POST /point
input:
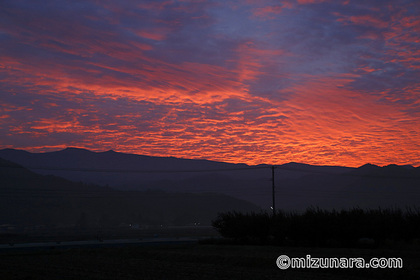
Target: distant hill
[(255, 182), (298, 186), (29, 199), (368, 186)]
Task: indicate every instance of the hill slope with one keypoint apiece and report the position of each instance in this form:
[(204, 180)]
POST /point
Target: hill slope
[(27, 198), (298, 186)]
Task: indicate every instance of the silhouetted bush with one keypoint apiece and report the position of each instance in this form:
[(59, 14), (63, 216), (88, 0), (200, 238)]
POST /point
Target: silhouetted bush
[(250, 227), (317, 227)]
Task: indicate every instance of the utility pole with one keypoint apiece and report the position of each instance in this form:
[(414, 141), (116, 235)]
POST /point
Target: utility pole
[(273, 191)]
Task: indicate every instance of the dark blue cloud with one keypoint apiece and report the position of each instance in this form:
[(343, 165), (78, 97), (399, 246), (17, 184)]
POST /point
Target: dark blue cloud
[(155, 72)]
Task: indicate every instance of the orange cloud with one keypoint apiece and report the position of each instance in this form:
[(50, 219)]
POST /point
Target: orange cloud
[(309, 90)]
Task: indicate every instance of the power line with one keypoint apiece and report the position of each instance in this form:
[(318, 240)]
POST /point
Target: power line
[(273, 190), (230, 191), (144, 170), (161, 171), (346, 171)]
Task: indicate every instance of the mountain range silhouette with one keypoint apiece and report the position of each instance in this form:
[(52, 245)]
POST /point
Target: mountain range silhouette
[(298, 186), (31, 199)]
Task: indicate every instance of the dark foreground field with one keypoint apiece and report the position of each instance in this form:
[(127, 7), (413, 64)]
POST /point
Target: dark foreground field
[(193, 261)]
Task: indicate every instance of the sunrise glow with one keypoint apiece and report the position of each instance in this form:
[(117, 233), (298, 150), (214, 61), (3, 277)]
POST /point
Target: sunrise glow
[(317, 82)]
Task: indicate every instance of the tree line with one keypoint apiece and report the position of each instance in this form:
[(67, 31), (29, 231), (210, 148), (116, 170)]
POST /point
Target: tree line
[(317, 227)]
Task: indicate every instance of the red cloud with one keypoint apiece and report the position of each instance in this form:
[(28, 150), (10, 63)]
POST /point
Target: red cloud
[(310, 1), (78, 83), (157, 34), (364, 20), (268, 11)]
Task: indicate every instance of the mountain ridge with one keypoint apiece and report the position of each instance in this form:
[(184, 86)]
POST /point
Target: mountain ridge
[(298, 186), (28, 198), (86, 151)]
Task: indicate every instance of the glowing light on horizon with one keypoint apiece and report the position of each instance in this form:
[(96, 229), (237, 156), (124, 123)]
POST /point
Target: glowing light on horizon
[(308, 81)]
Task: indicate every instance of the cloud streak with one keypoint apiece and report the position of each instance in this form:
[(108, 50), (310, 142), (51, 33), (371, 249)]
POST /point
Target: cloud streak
[(321, 82)]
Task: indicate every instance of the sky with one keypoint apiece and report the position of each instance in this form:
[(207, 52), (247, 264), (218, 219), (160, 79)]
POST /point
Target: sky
[(253, 81)]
